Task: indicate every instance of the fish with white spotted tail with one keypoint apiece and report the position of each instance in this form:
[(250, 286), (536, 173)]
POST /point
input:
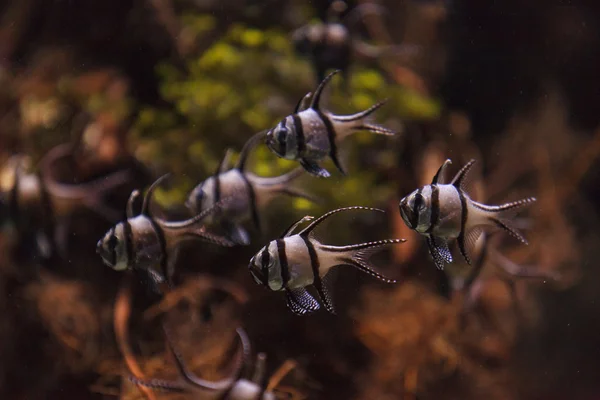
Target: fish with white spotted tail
[(295, 261), (443, 212), (310, 135)]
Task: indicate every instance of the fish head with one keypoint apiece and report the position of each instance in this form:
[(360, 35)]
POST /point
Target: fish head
[(281, 140), (112, 248), (415, 209), (264, 267)]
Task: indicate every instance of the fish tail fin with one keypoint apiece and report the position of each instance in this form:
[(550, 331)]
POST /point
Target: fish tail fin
[(378, 129), (360, 254), (501, 216)]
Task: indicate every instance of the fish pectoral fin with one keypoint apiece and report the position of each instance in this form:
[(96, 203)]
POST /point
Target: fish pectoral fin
[(438, 248), (314, 169), (300, 301)]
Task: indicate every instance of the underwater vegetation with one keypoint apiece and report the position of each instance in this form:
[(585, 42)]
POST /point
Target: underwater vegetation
[(299, 200)]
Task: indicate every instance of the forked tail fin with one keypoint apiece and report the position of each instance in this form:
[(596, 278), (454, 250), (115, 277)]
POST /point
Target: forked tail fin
[(358, 255), (501, 216)]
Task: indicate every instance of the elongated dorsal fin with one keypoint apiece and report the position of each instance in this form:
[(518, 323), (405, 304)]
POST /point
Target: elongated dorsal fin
[(293, 227), (149, 193), (315, 103), (224, 164), (459, 178), (131, 203), (194, 380), (196, 218), (306, 231), (439, 176), (249, 145), (302, 103)]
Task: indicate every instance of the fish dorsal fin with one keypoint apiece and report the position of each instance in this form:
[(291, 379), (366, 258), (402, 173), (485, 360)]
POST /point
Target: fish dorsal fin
[(315, 103), (306, 231), (197, 218), (131, 203), (225, 162), (293, 227), (194, 380), (439, 176), (249, 145), (149, 193), (459, 180), (302, 103)]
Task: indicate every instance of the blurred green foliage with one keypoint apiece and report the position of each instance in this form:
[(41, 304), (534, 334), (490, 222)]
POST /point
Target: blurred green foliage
[(247, 81)]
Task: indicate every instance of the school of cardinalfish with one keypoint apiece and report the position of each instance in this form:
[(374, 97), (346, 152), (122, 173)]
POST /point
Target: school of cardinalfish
[(295, 263)]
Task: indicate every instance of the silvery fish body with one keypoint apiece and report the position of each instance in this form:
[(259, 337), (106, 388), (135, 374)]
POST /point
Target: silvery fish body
[(144, 242), (247, 194), (444, 212), (295, 261), (312, 134)]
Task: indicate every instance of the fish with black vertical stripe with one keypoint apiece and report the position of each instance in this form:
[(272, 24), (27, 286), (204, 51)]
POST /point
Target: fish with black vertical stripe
[(248, 193), (443, 212), (297, 260), (150, 244), (311, 134)]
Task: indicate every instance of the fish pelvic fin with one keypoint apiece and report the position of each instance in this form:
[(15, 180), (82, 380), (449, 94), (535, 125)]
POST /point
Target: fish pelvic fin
[(501, 216), (438, 248), (358, 255), (300, 301), (314, 169)]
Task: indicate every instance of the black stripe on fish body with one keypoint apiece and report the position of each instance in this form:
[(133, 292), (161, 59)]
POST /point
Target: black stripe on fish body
[(217, 190), (112, 245), (414, 221), (283, 262), (266, 259), (331, 135), (435, 208), (253, 205), (316, 265), (463, 223), (281, 138), (300, 139), (163, 249), (128, 241)]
